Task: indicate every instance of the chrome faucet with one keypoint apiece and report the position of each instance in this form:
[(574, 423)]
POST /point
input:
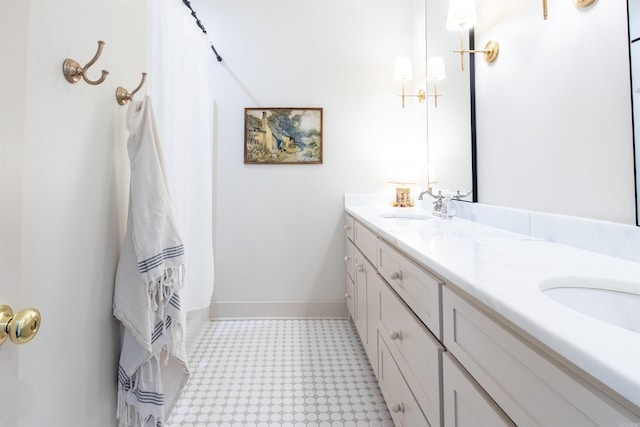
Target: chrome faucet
[(437, 204)]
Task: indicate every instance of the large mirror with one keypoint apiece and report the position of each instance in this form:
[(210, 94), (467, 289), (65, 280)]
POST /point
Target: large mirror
[(450, 124), (634, 54)]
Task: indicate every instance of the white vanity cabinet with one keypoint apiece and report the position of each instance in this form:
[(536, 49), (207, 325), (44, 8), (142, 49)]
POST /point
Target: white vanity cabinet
[(404, 353), (363, 285), (530, 386), (445, 358)]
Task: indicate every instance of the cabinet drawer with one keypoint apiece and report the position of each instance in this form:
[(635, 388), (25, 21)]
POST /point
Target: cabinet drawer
[(365, 240), (465, 403), (532, 390), (349, 259), (416, 352), (403, 407), (349, 226), (419, 289)]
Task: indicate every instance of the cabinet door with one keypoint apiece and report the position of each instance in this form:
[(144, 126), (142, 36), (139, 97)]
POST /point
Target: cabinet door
[(465, 403), (349, 259), (374, 285), (363, 270), (350, 263), (350, 296), (366, 285)]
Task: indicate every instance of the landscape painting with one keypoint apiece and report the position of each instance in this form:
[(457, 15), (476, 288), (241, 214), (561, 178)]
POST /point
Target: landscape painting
[(283, 135)]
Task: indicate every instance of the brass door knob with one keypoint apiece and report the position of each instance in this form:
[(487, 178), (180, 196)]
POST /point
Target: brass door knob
[(20, 328)]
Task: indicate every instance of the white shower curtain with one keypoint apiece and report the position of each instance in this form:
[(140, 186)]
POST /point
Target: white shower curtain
[(178, 84)]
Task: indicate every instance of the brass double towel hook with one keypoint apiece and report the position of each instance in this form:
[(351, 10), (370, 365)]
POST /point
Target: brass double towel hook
[(73, 72)]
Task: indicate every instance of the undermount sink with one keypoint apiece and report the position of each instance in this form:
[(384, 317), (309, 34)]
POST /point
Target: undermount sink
[(613, 302), (420, 216)]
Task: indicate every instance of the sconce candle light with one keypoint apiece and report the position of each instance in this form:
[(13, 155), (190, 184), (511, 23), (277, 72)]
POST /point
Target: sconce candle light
[(402, 72), (435, 72), (462, 16)]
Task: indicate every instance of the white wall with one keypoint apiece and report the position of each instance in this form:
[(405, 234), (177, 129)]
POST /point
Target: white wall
[(279, 229), (554, 113), (74, 173)]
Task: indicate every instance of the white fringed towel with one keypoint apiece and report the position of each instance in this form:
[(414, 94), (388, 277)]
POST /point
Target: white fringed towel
[(148, 280)]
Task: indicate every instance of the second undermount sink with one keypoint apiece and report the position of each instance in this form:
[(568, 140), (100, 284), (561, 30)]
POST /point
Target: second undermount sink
[(613, 302), (420, 216)]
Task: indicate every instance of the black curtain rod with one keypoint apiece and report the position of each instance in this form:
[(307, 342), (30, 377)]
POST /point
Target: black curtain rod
[(199, 24)]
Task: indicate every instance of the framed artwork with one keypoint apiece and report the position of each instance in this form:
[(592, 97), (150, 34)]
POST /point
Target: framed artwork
[(283, 135)]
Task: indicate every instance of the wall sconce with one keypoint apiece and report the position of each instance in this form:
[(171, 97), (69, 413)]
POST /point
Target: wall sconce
[(578, 3), (435, 72), (462, 16), (583, 3), (402, 72)]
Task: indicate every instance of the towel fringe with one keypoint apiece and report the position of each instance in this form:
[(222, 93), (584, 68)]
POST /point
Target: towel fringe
[(128, 407), (162, 288), (165, 312)]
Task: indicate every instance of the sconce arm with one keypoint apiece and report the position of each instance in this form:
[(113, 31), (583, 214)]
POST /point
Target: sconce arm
[(490, 51)]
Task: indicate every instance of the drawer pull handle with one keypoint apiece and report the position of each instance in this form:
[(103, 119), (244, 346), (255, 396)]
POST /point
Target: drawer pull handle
[(347, 258), (396, 275), (346, 227), (347, 296), (395, 335), (398, 407), (360, 268)]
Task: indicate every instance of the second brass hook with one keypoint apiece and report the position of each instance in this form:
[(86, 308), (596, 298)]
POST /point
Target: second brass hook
[(73, 72), (123, 96)]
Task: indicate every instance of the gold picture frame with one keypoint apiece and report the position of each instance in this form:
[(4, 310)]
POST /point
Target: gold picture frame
[(283, 136)]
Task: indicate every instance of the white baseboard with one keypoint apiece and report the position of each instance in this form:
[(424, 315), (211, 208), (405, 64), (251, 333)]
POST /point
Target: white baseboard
[(199, 314), (332, 309)]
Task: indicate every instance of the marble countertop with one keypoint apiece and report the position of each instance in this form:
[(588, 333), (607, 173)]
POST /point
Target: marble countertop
[(505, 270)]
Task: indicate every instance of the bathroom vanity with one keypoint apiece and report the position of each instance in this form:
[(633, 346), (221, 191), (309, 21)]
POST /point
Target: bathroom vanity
[(460, 331)]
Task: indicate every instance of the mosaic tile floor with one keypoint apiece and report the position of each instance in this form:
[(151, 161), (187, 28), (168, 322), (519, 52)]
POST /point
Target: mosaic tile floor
[(280, 373)]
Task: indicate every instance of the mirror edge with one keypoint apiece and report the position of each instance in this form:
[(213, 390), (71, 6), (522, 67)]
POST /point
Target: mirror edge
[(472, 122), (634, 135)]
